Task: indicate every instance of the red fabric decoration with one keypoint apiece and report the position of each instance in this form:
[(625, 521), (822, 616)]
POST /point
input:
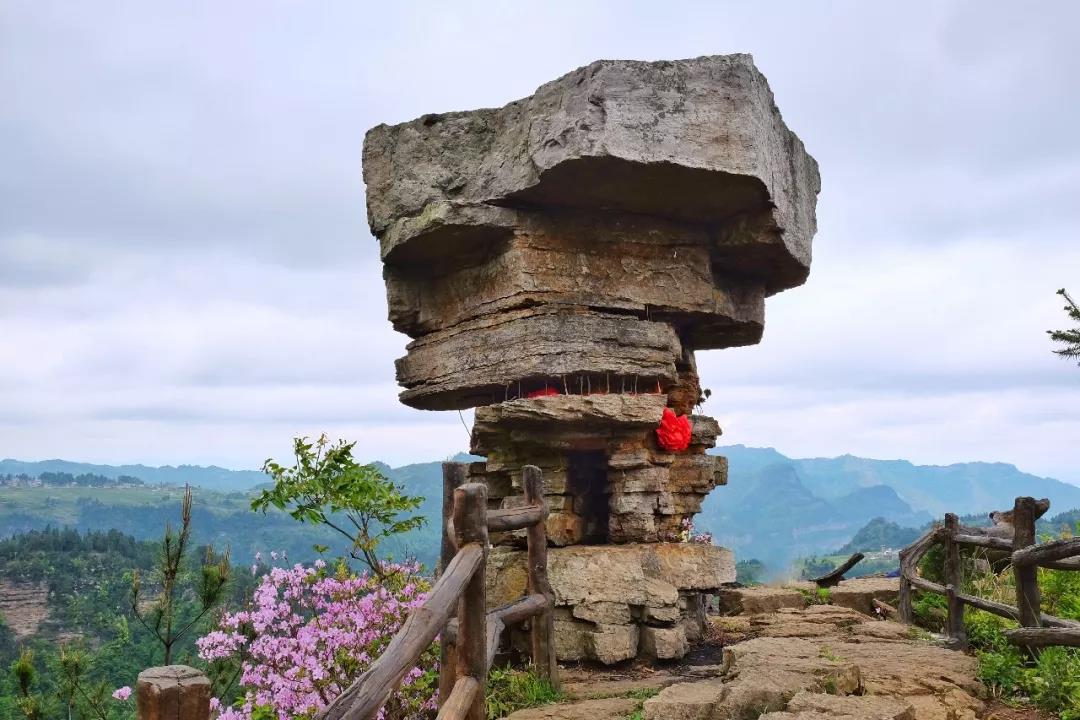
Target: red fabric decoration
[(543, 393), (674, 431)]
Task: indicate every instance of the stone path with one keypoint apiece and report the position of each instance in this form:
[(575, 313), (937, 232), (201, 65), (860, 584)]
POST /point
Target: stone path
[(783, 660)]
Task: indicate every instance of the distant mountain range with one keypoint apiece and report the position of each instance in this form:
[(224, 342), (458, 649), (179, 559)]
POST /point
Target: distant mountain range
[(774, 508)]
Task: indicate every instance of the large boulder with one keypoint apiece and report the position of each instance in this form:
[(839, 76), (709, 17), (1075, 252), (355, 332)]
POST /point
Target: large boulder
[(699, 141)]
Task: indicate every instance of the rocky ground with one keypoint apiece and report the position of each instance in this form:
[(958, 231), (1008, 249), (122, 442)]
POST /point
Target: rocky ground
[(776, 657)]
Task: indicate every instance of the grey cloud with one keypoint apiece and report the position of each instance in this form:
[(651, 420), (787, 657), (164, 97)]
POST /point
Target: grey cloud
[(186, 271)]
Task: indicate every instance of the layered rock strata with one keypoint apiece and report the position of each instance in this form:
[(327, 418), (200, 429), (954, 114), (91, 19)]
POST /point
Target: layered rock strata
[(557, 262)]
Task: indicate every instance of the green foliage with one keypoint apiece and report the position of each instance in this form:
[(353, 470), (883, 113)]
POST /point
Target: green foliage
[(930, 610), (932, 566), (879, 533), (1069, 339), (816, 567), (750, 572), (165, 617), (326, 486), (510, 690)]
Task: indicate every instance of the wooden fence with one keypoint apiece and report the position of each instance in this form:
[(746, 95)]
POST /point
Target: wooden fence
[(469, 641), (1017, 543)]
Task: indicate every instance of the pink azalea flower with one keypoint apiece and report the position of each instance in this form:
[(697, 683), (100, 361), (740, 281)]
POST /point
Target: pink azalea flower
[(122, 693)]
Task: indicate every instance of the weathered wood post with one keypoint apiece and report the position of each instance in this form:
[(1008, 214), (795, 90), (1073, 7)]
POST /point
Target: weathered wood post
[(904, 610), (954, 582), (453, 478), (543, 625), (172, 692), (1028, 600), (470, 526)]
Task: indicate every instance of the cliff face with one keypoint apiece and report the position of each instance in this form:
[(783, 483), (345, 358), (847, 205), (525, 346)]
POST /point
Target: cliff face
[(23, 606)]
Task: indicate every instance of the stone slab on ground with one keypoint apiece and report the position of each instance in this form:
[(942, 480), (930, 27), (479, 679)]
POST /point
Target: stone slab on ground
[(601, 709), (857, 593), (758, 599), (812, 706), (833, 660)]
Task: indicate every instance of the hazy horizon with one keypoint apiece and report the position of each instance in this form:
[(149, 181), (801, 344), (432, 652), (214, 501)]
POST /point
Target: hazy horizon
[(718, 449)]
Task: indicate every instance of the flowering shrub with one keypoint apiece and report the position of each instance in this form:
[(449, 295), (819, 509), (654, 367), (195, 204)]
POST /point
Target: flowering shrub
[(688, 534), (307, 634)]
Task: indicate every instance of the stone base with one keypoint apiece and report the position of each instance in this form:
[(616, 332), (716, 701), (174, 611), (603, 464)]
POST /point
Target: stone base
[(615, 603)]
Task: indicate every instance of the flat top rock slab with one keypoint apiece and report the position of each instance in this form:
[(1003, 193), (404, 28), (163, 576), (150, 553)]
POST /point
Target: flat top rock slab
[(643, 410), (697, 140)]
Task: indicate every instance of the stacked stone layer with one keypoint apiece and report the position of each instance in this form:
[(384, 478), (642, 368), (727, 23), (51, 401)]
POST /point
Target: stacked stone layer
[(617, 603), (649, 492), (557, 262)]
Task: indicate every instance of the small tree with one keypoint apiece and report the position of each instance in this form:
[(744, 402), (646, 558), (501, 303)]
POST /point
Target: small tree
[(327, 486), (1069, 338), (167, 618)]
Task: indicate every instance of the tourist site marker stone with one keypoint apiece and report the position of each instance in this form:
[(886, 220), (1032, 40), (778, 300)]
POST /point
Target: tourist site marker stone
[(557, 262)]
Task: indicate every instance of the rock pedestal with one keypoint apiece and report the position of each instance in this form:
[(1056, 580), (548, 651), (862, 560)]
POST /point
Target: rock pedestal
[(557, 262)]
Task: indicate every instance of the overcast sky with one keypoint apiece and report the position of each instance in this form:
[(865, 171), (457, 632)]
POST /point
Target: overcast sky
[(187, 276)]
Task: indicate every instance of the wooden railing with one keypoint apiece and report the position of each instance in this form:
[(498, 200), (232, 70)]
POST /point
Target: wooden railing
[(1017, 542), (469, 641)]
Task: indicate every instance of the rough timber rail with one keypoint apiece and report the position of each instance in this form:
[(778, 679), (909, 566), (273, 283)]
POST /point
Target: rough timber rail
[(470, 641), (1018, 543)]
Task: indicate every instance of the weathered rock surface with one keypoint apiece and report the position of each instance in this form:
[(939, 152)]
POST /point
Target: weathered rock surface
[(23, 606), (848, 667), (614, 603), (599, 709), (628, 490), (607, 135), (760, 599), (481, 361), (621, 263), (857, 593), (826, 661)]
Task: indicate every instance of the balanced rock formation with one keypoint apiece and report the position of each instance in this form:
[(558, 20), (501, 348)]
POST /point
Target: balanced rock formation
[(557, 262)]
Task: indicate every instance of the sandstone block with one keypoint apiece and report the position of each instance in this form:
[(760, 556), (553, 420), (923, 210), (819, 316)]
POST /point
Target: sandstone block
[(603, 613), (648, 479), (610, 644), (570, 637), (605, 136), (622, 263), (474, 362), (663, 643), (631, 528), (633, 502)]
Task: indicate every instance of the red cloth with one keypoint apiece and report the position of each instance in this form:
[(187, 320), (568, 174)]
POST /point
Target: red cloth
[(674, 431), (543, 393)]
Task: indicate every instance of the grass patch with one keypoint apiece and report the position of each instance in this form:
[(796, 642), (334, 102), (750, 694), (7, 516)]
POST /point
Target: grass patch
[(509, 690), (820, 596), (829, 654)]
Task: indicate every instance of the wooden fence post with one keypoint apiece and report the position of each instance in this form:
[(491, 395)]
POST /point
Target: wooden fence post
[(1028, 600), (453, 478), (171, 692), (954, 582), (904, 610), (470, 526), (543, 625)]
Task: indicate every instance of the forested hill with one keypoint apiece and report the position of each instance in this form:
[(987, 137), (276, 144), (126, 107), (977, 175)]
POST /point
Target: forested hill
[(213, 477), (777, 508), (774, 507)]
